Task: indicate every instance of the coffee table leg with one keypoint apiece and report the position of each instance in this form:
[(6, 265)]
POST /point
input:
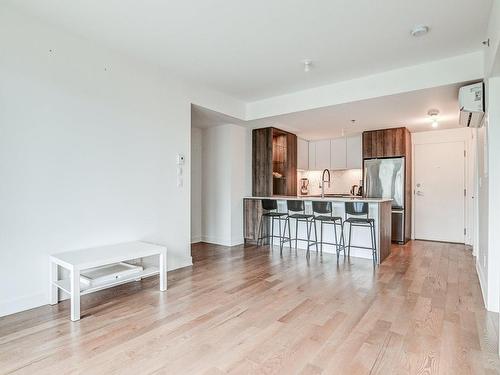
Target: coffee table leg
[(75, 294), (54, 297)]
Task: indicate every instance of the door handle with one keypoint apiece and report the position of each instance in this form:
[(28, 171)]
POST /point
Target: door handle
[(420, 193)]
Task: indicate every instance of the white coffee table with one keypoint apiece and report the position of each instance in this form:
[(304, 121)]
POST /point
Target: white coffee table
[(79, 260)]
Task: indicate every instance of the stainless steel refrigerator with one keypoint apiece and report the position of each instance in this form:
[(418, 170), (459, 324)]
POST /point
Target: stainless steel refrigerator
[(385, 178)]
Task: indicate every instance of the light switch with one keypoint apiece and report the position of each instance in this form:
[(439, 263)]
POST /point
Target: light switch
[(180, 159)]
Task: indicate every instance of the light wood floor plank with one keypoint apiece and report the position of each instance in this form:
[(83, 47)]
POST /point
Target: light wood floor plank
[(248, 310)]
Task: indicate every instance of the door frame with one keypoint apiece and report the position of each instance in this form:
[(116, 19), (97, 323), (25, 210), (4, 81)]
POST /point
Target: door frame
[(447, 136)]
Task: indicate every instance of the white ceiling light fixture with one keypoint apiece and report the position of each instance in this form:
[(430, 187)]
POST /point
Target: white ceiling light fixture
[(433, 114), (307, 65), (419, 30)]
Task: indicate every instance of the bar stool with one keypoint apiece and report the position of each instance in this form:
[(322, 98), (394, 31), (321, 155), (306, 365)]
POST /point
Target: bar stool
[(324, 215), (296, 210), (270, 208), (353, 212)]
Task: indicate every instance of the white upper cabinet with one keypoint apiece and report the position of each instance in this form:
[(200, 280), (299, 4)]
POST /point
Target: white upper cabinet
[(312, 155), (322, 154), (302, 154), (338, 154), (354, 152), (335, 154)]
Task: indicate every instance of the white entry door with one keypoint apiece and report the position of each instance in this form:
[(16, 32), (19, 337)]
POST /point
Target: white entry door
[(439, 212)]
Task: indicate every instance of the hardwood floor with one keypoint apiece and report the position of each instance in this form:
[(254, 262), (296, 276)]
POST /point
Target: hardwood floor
[(248, 310)]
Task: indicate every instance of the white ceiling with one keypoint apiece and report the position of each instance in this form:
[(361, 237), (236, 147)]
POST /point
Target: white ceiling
[(206, 118), (251, 49), (408, 109)]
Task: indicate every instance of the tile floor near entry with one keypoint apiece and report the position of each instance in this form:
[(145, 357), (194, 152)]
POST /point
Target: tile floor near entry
[(248, 310)]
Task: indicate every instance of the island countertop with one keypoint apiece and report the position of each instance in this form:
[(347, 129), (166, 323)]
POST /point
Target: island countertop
[(326, 199), (379, 210)]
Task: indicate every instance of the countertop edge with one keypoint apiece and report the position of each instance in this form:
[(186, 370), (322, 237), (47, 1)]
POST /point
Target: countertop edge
[(326, 199)]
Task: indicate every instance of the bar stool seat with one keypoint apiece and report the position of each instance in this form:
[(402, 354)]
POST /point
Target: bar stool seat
[(274, 214), (300, 216), (358, 220), (328, 218)]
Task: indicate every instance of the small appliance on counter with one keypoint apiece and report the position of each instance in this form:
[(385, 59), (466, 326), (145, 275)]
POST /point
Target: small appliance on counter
[(304, 186), (357, 190)]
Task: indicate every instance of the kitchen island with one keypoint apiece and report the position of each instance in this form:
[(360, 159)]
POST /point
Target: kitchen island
[(379, 209)]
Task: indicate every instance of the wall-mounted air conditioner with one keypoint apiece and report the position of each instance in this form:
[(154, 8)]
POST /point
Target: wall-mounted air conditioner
[(471, 102)]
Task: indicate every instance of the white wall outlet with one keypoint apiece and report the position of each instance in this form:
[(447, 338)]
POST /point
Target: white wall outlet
[(180, 159)]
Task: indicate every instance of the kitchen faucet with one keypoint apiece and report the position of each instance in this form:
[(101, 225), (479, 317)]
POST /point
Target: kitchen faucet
[(323, 182)]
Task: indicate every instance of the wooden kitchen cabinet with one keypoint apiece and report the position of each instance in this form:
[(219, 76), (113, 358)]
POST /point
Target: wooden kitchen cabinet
[(274, 162), (385, 143)]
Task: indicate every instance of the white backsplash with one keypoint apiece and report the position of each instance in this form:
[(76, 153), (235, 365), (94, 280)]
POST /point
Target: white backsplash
[(342, 181)]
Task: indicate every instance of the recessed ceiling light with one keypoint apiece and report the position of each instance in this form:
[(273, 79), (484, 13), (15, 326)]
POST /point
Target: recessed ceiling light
[(419, 30), (307, 65)]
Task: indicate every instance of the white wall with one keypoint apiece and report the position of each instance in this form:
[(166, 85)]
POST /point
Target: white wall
[(225, 171), (196, 184), (88, 140), (216, 185), (488, 145), (482, 205), (492, 54), (491, 237)]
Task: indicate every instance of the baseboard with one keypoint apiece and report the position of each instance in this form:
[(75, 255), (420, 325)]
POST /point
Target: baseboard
[(235, 241), (482, 283), (216, 240), (196, 239), (15, 305)]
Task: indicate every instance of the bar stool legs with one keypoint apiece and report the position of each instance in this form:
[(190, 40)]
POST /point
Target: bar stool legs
[(285, 238), (373, 239), (261, 227), (338, 245)]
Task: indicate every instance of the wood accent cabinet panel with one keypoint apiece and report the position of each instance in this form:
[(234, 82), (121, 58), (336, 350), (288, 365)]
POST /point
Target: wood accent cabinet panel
[(252, 212), (274, 162), (291, 165), (262, 162), (385, 143)]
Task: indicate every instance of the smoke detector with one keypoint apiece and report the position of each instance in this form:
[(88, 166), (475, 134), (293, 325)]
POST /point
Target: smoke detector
[(419, 30), (307, 65)]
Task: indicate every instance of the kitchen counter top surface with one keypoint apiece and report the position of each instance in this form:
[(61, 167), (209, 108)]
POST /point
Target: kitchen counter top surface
[(326, 198)]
